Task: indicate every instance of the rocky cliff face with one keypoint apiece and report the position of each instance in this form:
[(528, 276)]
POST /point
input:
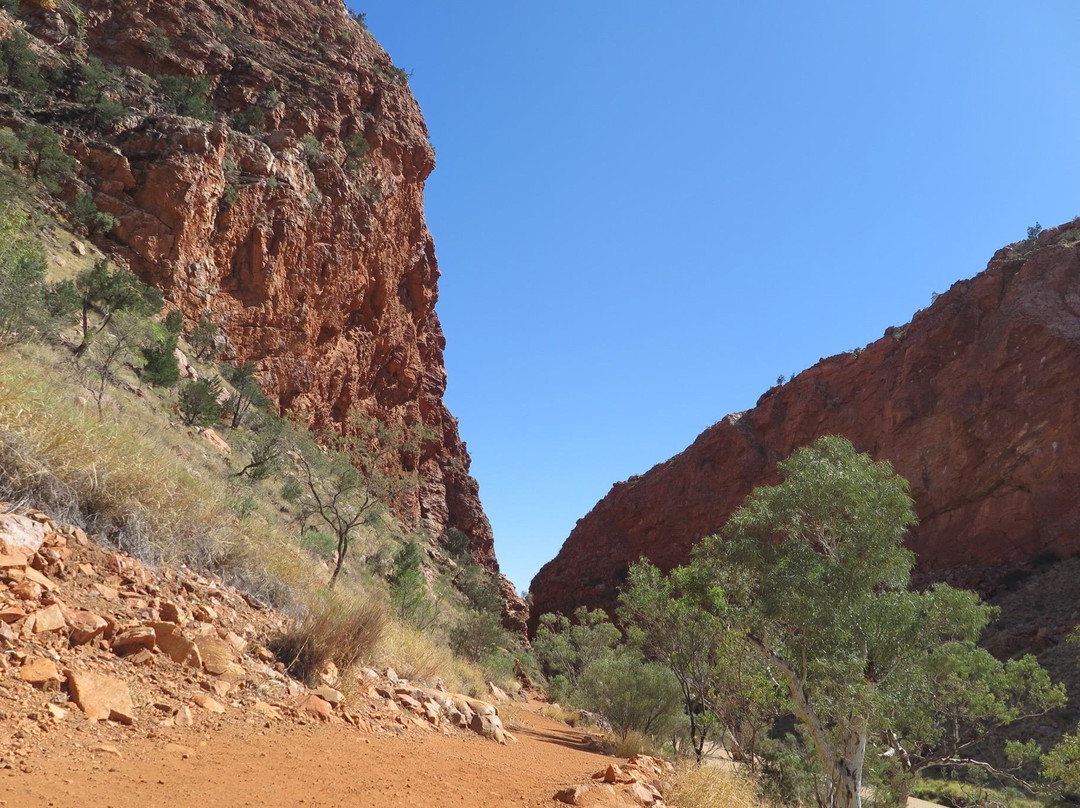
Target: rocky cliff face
[(267, 168), (975, 402)]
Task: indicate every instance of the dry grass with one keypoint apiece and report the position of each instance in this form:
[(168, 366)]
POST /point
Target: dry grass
[(695, 786), (335, 628), (127, 482), (634, 743), (560, 713)]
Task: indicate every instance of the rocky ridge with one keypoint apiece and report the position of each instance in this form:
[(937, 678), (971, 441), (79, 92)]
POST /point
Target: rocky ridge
[(98, 646), (974, 402), (268, 171)]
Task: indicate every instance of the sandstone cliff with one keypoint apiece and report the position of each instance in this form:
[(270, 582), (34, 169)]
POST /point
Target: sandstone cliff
[(975, 402), (266, 162)]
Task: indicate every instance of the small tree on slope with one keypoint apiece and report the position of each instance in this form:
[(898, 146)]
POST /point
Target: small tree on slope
[(811, 577)]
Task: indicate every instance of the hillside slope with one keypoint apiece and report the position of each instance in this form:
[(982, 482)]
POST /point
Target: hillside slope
[(974, 402), (266, 164)]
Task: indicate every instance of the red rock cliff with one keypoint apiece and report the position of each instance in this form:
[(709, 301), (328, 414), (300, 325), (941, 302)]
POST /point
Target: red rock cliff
[(292, 212), (976, 402)]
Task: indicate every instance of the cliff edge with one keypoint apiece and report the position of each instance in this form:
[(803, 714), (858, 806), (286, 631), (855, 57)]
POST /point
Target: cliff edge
[(975, 402)]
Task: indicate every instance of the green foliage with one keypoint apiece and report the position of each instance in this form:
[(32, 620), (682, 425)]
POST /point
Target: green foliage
[(371, 463), (360, 18), (45, 157), (174, 322), (247, 392), (84, 212), (12, 147), (566, 648), (1034, 231), (10, 6), (312, 148), (187, 95), (477, 634), (810, 576), (409, 597), (678, 619), (62, 299), (199, 402), (231, 192), (631, 694), (108, 112), (22, 278), (264, 447), (357, 150), (158, 43), (97, 81), (457, 543), (203, 337), (21, 68), (160, 365), (107, 290), (251, 119), (1061, 764)]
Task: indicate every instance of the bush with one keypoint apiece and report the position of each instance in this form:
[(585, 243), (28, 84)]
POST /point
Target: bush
[(187, 95), (335, 629), (84, 212), (409, 590), (632, 695), (22, 278), (45, 157), (199, 402), (203, 337), (21, 68), (477, 634), (161, 367), (312, 147)]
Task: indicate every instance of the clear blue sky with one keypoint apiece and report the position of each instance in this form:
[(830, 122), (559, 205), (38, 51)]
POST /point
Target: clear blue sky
[(645, 212)]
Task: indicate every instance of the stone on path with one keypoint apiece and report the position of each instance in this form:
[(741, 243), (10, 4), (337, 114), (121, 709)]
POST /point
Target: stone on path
[(101, 697)]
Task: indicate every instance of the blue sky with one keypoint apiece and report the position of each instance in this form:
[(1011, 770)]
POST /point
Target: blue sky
[(645, 212)]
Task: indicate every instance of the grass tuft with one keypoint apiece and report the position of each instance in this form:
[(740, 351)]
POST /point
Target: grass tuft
[(335, 628), (705, 786)]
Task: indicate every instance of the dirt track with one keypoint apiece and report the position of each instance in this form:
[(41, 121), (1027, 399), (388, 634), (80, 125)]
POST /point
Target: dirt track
[(313, 766)]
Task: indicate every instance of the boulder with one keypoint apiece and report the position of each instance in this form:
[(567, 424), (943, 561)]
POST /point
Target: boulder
[(216, 654), (40, 672), (172, 642), (131, 640), (20, 535), (101, 697), (84, 626)]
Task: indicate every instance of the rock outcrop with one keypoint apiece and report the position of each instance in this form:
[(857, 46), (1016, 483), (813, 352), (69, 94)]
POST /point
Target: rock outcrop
[(975, 402), (265, 162)]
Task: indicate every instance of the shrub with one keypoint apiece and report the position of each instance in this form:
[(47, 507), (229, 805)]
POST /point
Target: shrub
[(1034, 231), (174, 322), (251, 119), (45, 158), (22, 278), (12, 147), (477, 634), (408, 588), (357, 150), (108, 112), (21, 68), (161, 367), (203, 337), (187, 95), (231, 171), (334, 629), (199, 402), (84, 212), (312, 147), (632, 695)]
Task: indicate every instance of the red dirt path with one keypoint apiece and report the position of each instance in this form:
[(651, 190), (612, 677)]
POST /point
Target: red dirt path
[(325, 766)]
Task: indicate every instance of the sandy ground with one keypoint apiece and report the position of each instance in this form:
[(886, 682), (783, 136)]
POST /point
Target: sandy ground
[(310, 766)]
